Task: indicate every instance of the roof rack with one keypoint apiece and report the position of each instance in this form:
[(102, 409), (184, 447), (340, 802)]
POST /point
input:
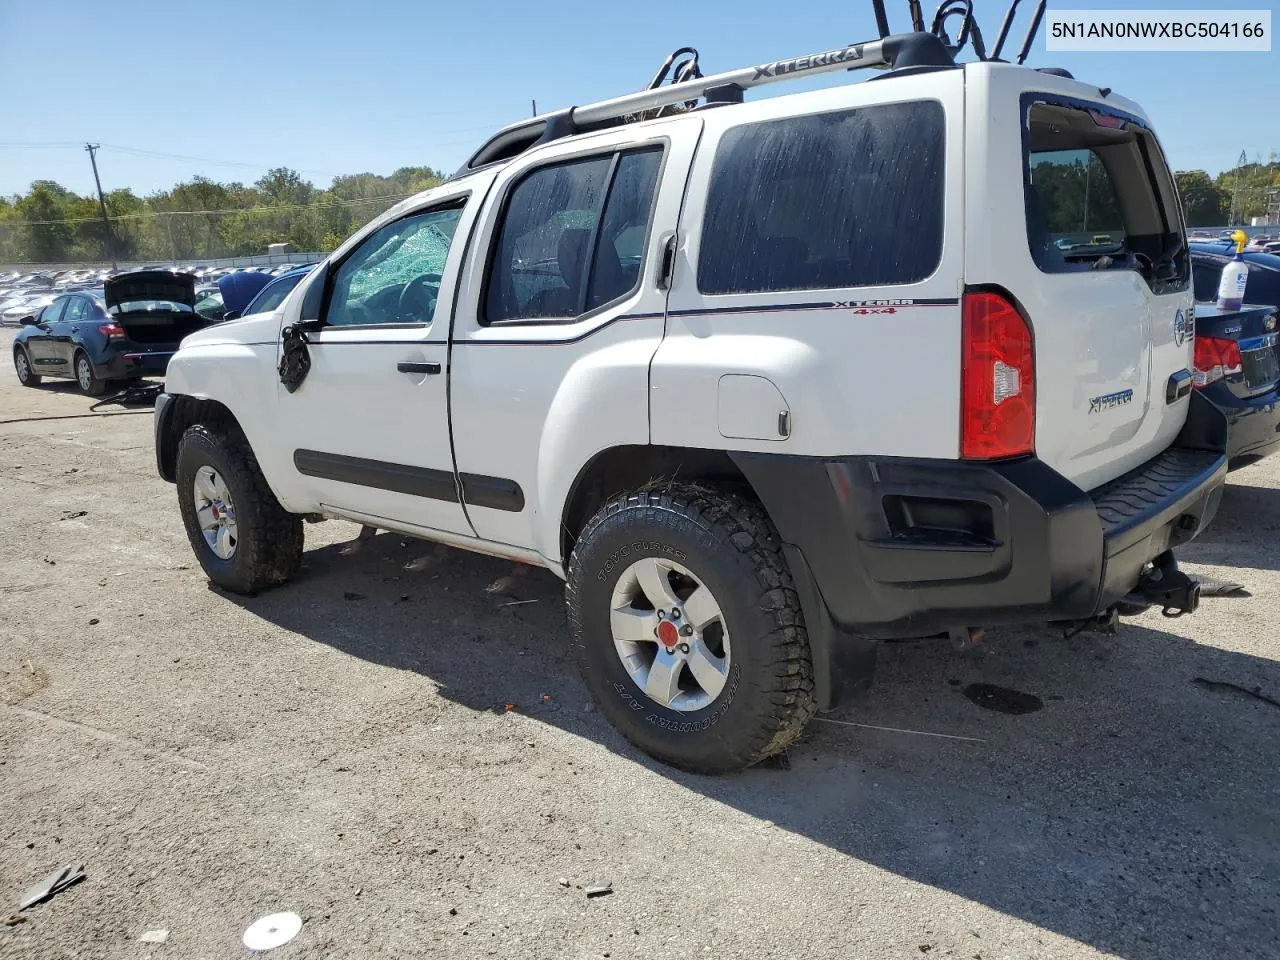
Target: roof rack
[(912, 52)]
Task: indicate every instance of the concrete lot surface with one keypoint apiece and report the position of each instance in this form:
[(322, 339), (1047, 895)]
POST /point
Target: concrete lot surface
[(342, 747)]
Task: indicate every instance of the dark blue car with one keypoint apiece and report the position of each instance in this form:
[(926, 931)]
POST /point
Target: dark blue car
[(270, 296), (130, 331), (1237, 365)]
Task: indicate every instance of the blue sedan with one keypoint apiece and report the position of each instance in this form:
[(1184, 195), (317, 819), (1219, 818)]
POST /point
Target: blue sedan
[(130, 331), (1236, 355)]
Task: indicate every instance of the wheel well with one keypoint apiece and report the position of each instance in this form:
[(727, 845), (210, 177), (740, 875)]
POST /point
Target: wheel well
[(186, 412), (620, 469)]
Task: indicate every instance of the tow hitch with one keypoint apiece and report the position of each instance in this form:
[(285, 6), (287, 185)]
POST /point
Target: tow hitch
[(1167, 587)]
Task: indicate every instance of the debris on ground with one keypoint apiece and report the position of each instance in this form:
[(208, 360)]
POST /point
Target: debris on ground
[(601, 889), (56, 882), (94, 621), (155, 936), (273, 930), (1002, 699), (516, 603), (563, 881), (1213, 587), (74, 514), (349, 595), (13, 920), (1223, 686)]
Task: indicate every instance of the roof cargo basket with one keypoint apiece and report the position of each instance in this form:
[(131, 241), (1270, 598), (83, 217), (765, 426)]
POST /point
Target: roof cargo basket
[(679, 84)]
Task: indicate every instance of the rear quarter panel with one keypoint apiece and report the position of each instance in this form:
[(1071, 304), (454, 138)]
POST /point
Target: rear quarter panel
[(862, 370)]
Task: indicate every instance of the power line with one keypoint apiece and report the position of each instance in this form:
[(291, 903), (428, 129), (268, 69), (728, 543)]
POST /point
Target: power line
[(218, 212)]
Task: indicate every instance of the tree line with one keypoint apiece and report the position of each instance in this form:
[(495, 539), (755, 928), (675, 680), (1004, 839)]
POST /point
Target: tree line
[(51, 224)]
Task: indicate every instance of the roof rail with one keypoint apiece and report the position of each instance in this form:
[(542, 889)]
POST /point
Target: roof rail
[(920, 50), (903, 50)]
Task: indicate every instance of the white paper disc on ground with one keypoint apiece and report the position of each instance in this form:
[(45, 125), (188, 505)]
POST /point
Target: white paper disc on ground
[(272, 931)]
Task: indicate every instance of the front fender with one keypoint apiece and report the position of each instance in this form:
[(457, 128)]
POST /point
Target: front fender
[(241, 377)]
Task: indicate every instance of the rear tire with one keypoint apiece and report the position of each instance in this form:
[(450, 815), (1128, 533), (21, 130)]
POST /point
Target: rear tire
[(22, 364), (705, 541), (90, 384), (264, 546)]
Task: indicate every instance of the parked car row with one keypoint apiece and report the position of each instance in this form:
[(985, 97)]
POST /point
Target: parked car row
[(24, 295), (132, 325)]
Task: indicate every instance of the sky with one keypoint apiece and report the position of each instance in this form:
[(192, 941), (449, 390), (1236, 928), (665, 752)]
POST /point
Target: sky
[(230, 88)]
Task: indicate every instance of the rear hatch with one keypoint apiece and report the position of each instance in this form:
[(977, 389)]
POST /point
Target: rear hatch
[(1100, 270), (155, 307)]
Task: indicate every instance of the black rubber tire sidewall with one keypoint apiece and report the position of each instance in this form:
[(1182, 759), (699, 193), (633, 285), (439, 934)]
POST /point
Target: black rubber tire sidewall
[(97, 386), (33, 378), (269, 545), (732, 732)]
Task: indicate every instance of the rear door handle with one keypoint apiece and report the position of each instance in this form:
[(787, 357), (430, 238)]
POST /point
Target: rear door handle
[(413, 366)]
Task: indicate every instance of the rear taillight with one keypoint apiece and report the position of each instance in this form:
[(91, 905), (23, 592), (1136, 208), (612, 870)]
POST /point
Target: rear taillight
[(1215, 358), (997, 380), (112, 331)]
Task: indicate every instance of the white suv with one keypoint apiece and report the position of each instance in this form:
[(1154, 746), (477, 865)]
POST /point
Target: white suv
[(766, 382)]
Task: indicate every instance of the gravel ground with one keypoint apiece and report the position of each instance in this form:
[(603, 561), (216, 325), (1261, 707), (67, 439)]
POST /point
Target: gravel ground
[(342, 747)]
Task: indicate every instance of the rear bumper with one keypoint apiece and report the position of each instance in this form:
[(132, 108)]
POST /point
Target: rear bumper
[(1253, 424), (900, 547), (134, 363)]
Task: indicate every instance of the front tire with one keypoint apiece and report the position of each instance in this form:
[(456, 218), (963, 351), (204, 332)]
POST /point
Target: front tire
[(244, 540), (90, 384), (22, 364), (724, 677)]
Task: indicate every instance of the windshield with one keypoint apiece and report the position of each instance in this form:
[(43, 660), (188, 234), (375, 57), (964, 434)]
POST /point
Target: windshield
[(1099, 195)]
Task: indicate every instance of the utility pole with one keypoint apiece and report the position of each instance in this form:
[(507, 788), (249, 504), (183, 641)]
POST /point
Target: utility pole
[(108, 246), (1235, 190)]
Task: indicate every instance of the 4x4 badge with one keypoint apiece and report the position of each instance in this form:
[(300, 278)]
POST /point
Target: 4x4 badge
[(1183, 327)]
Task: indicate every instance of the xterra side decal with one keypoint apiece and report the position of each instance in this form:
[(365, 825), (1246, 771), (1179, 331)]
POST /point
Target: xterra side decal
[(1110, 401), (860, 307), (495, 493)]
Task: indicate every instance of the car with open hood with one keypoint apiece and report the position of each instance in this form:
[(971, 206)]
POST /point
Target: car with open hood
[(130, 331)]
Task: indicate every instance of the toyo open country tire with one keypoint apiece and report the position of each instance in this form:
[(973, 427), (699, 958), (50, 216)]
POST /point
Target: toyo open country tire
[(704, 540), (244, 540)]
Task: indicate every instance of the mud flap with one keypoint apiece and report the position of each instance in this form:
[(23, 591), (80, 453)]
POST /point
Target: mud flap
[(295, 358), (843, 662)]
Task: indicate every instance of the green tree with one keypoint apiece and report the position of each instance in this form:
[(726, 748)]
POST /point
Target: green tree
[(47, 201), (1203, 202)]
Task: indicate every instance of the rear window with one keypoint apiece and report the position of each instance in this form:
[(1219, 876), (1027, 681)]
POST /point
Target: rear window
[(846, 199), (1099, 195), (151, 306)]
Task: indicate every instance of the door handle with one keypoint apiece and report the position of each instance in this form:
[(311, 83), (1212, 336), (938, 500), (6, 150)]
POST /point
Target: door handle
[(413, 366)]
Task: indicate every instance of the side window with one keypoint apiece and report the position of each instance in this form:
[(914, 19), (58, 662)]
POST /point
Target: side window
[(394, 276), (77, 309), (572, 237), (1206, 275), (846, 199), (53, 312)]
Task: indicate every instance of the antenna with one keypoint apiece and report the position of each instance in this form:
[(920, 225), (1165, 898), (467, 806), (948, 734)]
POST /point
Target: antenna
[(1004, 29)]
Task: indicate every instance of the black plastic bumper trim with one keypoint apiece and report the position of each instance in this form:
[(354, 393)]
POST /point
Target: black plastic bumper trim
[(1040, 549)]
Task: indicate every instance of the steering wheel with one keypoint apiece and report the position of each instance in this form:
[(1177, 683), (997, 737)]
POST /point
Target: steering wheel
[(417, 299)]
